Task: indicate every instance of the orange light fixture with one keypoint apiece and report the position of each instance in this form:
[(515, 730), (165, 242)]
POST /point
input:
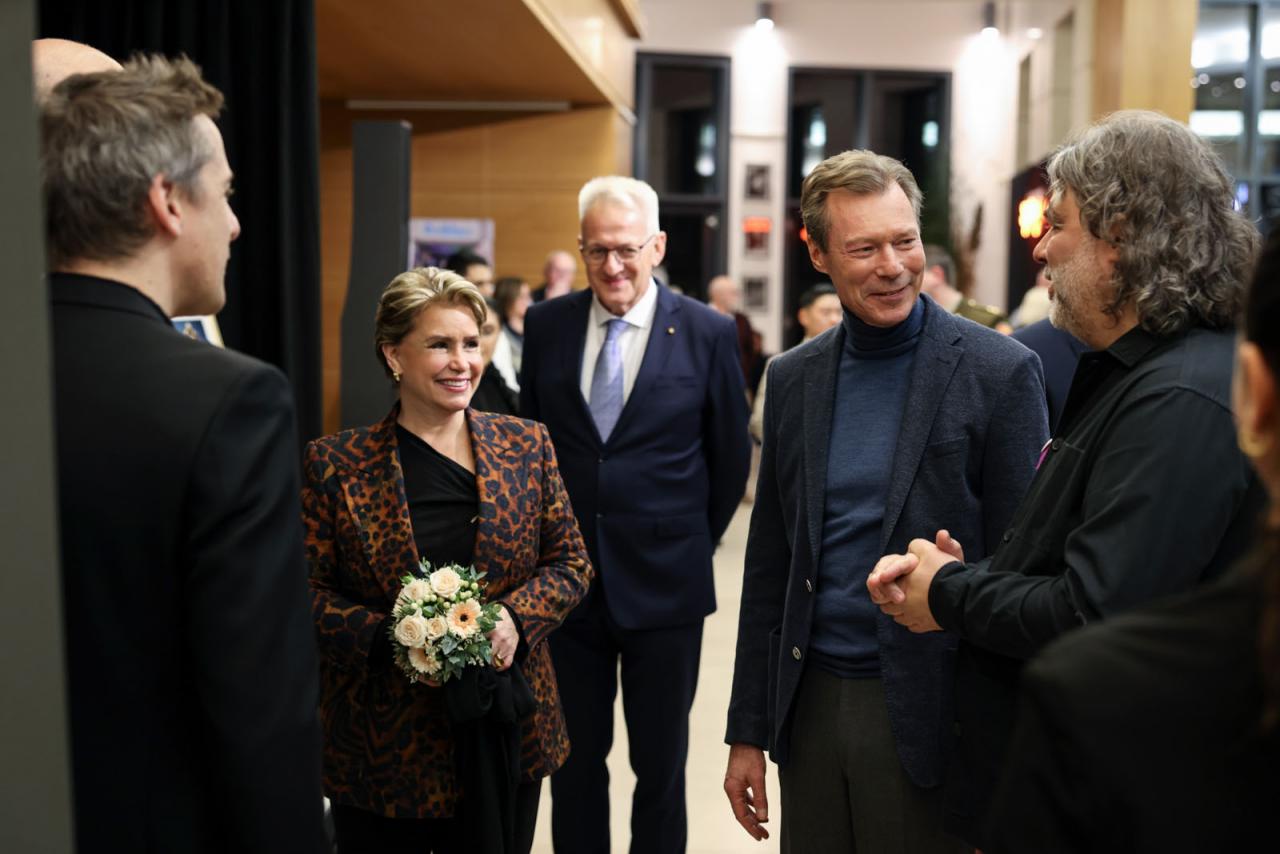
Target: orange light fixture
[(1031, 215)]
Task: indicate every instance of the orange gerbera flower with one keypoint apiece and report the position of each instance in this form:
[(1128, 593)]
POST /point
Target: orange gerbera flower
[(464, 618)]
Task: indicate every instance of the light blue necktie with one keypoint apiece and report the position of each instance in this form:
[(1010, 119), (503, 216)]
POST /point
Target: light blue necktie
[(606, 380)]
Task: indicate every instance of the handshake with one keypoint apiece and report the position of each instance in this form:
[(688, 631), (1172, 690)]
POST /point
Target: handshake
[(899, 584)]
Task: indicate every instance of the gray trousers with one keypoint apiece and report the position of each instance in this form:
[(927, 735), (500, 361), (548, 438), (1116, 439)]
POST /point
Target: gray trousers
[(843, 787)]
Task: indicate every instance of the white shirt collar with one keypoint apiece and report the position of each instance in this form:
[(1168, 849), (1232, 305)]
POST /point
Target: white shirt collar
[(641, 314)]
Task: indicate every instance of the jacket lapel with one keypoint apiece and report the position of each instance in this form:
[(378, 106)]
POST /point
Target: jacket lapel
[(821, 366), (661, 341), (574, 348), (936, 358), (491, 452), (376, 498)]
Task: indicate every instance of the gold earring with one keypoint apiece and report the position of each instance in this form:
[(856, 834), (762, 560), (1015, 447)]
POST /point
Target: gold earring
[(1252, 445), (395, 376)]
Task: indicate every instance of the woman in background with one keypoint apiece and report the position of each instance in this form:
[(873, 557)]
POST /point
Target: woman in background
[(1157, 731), (439, 481), (514, 298), (493, 394)]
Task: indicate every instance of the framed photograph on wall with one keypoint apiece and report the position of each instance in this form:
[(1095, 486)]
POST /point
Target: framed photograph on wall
[(432, 241), (755, 293), (201, 328), (758, 181), (755, 234)]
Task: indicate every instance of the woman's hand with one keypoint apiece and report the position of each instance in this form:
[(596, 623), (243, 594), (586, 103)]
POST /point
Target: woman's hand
[(504, 639)]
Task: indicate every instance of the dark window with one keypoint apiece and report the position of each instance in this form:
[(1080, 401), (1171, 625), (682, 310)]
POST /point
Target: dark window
[(682, 150), (902, 114), (1235, 75)]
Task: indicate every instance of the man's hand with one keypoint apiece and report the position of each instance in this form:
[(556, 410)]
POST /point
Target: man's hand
[(744, 784), (952, 547), (913, 611), (884, 583), (503, 639), (899, 584)]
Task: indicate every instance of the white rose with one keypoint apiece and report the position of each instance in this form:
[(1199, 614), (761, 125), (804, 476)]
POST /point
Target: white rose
[(445, 582), (424, 661), (436, 628), (415, 591), (412, 631)]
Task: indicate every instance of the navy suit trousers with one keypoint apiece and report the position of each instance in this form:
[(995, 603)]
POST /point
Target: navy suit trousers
[(659, 676)]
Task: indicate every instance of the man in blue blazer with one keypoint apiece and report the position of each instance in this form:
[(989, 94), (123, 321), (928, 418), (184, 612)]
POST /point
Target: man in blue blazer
[(899, 420), (644, 399)]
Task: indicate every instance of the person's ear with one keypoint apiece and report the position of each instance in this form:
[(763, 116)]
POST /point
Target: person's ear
[(393, 361), (659, 247), (816, 256), (165, 206), (1255, 402)]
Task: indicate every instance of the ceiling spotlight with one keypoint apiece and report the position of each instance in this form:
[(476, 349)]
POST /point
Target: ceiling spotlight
[(764, 16), (989, 19)]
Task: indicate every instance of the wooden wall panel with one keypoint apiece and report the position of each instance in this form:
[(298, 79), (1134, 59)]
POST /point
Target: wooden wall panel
[(523, 172), (1133, 69), (599, 35)]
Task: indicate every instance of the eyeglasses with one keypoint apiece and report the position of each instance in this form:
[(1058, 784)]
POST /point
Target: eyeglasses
[(597, 255)]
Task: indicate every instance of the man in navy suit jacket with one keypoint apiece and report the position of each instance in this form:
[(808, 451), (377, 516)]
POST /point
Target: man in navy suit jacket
[(1059, 351), (899, 420), (644, 399)]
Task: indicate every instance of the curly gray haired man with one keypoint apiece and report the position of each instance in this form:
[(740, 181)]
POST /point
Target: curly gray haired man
[(1142, 492)]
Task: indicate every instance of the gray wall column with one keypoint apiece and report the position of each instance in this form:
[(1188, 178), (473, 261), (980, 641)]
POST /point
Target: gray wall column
[(35, 778)]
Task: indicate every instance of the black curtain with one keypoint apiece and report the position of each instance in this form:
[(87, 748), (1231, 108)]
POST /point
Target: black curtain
[(262, 55)]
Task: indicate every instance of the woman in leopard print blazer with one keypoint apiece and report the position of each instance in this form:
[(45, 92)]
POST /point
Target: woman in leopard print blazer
[(439, 480)]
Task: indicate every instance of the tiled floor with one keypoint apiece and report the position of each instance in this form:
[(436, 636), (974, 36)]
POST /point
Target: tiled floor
[(712, 828)]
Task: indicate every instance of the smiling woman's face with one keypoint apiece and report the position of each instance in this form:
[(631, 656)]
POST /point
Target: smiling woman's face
[(439, 360), (873, 254)]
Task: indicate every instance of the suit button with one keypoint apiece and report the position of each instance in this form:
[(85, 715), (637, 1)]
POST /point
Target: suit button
[(601, 460), (1008, 535), (795, 653), (808, 585), (1057, 443)]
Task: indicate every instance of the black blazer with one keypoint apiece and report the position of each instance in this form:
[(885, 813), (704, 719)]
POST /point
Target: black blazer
[(1142, 734), (973, 425), (191, 655), (654, 500)]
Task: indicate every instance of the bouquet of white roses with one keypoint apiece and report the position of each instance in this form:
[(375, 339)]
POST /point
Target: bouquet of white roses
[(440, 624)]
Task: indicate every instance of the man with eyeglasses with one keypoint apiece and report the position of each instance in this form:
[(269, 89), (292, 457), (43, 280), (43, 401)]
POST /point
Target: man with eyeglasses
[(642, 393)]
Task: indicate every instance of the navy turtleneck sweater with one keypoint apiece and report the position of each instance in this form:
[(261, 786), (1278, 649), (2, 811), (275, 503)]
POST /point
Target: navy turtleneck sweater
[(871, 392)]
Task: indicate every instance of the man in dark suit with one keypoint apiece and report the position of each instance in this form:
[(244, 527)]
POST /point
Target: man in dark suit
[(1059, 351), (190, 651), (900, 419), (643, 395)]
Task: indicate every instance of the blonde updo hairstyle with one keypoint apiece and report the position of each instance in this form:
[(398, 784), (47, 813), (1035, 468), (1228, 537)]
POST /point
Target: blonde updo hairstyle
[(412, 292)]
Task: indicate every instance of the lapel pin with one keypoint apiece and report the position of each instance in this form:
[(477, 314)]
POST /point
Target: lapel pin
[(671, 330)]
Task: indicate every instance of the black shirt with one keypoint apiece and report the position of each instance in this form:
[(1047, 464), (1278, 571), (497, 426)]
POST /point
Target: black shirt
[(1142, 492), (443, 502), (494, 395)]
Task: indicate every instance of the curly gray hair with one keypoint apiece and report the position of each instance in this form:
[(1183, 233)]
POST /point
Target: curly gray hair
[(1158, 193)]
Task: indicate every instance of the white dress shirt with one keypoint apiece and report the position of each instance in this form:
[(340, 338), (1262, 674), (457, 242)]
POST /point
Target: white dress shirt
[(633, 339)]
